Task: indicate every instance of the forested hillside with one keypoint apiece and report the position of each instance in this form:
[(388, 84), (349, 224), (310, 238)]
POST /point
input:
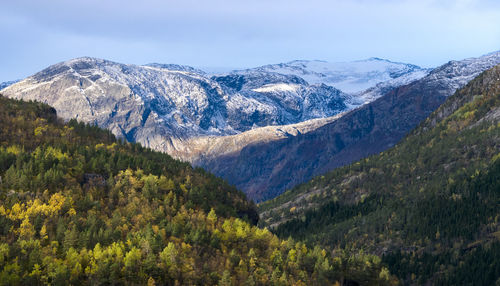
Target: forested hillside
[(430, 205), (79, 207)]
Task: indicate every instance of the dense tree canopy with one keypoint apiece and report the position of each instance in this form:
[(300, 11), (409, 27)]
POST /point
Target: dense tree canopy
[(78, 206)]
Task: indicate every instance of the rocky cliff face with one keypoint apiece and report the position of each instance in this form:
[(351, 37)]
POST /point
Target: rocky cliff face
[(264, 170), (131, 101)]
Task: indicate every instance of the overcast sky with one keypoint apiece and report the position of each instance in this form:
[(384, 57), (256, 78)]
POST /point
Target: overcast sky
[(236, 34)]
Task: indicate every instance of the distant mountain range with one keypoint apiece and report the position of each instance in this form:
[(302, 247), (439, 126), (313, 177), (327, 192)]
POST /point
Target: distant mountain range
[(178, 109), (224, 121), (160, 106)]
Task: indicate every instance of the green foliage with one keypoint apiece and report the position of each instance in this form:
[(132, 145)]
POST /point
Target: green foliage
[(79, 207)]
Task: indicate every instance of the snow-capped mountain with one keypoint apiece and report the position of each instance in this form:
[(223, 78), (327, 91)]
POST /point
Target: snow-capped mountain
[(161, 106), (124, 97), (350, 77), (295, 97)]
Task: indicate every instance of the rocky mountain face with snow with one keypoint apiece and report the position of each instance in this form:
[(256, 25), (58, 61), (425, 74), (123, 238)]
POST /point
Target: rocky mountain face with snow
[(161, 106), (199, 117), (266, 169)]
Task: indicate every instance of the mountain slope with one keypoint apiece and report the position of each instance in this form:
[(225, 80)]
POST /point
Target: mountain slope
[(78, 207), (211, 148), (426, 204), (266, 169)]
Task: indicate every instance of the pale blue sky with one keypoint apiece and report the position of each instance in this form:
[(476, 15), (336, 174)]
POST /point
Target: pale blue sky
[(236, 34)]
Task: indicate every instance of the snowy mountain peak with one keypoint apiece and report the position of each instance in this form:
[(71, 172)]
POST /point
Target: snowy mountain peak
[(88, 62), (351, 77)]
